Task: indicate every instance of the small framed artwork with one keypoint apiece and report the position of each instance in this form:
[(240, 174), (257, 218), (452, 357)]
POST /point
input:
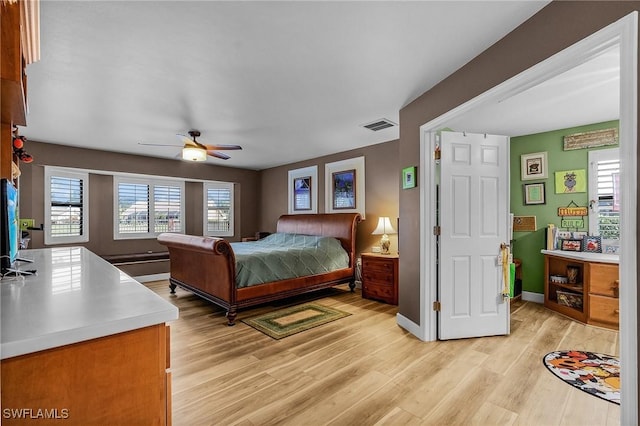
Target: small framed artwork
[(344, 189), (571, 181), (611, 248), (571, 245), (592, 244), (533, 166), (534, 193), (409, 177), (302, 193), (344, 183)]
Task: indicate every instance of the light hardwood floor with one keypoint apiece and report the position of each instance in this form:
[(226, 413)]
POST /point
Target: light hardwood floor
[(364, 370)]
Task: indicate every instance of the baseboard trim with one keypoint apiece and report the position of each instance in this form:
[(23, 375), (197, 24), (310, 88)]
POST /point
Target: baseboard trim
[(530, 296), (152, 277), (411, 327)]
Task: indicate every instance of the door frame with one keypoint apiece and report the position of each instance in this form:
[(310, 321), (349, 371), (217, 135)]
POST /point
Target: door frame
[(624, 33)]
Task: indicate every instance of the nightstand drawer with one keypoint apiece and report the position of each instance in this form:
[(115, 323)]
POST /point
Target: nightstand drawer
[(380, 292), (377, 277), (379, 266)]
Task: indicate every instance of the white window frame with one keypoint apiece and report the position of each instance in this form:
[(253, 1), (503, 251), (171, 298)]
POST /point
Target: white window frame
[(151, 181), (205, 213), (595, 156), (49, 238)]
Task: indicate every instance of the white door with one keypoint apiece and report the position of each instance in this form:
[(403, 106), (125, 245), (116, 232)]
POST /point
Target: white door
[(474, 222)]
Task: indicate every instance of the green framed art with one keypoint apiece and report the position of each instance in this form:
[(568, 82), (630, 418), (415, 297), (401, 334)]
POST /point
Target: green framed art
[(409, 177)]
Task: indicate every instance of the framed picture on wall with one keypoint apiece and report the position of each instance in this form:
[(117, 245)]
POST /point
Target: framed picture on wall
[(534, 193), (345, 186), (302, 193), (303, 190), (571, 181), (344, 189), (533, 166), (409, 177)]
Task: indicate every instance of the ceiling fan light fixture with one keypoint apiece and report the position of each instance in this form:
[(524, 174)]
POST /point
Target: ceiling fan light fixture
[(192, 153)]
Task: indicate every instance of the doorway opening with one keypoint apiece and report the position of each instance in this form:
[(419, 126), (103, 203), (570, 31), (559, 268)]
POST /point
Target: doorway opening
[(621, 34)]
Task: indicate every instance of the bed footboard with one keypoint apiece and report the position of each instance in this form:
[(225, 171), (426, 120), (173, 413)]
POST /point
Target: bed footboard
[(205, 266)]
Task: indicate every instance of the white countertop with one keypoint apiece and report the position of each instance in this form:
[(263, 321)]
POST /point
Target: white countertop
[(75, 296), (585, 256)]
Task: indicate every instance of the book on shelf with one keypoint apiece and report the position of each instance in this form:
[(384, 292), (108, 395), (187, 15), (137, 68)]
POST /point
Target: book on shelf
[(551, 237)]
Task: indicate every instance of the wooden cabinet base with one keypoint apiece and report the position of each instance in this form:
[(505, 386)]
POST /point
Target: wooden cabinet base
[(593, 299), (118, 379)]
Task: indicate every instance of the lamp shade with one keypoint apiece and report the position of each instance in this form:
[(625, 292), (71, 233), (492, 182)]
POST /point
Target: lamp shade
[(384, 227), (192, 153)]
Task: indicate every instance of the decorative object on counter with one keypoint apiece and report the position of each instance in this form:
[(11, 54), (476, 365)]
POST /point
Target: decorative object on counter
[(591, 139), (571, 245), (524, 223), (592, 244), (533, 166), (534, 193), (571, 181), (594, 373), (572, 274), (384, 228), (611, 248), (409, 177)]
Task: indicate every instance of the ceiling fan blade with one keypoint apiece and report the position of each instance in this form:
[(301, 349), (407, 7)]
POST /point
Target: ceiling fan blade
[(222, 147), (218, 155), (157, 144), (186, 140)]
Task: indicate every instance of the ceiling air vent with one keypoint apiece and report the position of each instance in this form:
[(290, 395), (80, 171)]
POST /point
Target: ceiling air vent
[(383, 123)]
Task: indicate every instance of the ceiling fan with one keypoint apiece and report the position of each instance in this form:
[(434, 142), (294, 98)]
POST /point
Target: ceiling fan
[(192, 150)]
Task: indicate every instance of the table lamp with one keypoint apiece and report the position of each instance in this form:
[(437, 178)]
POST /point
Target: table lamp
[(384, 228)]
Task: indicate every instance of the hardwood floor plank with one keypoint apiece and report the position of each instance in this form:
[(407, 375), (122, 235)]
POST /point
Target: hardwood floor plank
[(364, 369)]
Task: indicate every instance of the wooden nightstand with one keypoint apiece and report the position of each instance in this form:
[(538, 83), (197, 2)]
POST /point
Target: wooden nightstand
[(380, 277)]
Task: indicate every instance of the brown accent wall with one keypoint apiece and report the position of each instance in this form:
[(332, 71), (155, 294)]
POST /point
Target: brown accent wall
[(554, 28), (101, 242), (382, 174)]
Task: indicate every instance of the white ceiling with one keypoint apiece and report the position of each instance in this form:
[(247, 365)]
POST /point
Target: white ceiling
[(286, 80), (588, 93)]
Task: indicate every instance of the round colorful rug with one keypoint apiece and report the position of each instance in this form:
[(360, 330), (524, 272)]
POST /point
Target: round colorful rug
[(594, 373)]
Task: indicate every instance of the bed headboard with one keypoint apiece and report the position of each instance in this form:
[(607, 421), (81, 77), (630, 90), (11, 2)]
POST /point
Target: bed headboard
[(338, 225)]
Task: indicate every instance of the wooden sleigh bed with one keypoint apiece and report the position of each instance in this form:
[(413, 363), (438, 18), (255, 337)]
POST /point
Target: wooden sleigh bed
[(206, 266)]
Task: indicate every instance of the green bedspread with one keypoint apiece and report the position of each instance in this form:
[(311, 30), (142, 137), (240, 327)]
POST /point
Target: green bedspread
[(283, 256)]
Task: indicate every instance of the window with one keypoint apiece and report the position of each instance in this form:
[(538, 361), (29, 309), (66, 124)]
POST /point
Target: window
[(145, 207), (66, 206), (604, 184), (219, 209)]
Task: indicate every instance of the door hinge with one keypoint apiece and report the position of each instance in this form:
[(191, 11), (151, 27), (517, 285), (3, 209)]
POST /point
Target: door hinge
[(436, 230), (436, 153), (436, 306)]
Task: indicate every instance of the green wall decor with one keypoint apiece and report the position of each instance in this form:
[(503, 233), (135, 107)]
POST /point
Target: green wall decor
[(527, 245), (571, 181)]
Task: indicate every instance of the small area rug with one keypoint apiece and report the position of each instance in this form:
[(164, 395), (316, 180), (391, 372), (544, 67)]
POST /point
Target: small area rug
[(292, 320), (594, 373)]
